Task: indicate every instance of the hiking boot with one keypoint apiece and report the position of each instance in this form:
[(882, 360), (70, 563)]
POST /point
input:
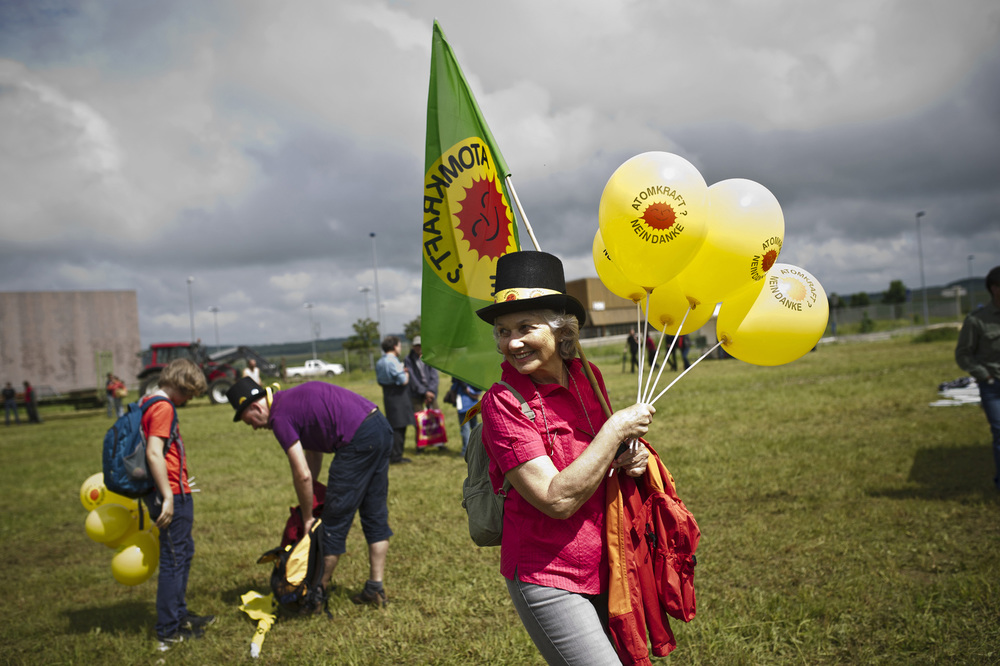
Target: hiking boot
[(194, 622), (377, 599), (181, 635)]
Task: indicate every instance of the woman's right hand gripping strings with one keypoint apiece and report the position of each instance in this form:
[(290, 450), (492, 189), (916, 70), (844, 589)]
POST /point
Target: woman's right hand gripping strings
[(632, 423)]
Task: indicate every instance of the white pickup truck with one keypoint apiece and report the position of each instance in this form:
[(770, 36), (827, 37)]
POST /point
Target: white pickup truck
[(315, 368)]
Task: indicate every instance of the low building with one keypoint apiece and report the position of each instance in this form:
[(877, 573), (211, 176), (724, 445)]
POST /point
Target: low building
[(64, 341), (609, 315)]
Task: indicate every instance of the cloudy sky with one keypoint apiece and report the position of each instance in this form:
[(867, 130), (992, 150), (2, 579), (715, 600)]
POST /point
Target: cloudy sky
[(254, 146)]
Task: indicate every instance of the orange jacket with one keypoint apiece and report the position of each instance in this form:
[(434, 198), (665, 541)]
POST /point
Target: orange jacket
[(651, 540)]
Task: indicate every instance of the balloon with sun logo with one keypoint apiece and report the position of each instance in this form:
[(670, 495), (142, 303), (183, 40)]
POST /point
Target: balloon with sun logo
[(745, 231), (780, 323), (611, 276), (652, 216)]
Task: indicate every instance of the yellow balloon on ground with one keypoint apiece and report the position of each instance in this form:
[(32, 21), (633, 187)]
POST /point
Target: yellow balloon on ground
[(652, 216), (778, 325), (92, 491), (107, 522), (137, 559), (746, 229), (611, 276), (668, 306)]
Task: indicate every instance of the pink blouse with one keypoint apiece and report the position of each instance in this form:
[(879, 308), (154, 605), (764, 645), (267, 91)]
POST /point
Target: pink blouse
[(567, 554)]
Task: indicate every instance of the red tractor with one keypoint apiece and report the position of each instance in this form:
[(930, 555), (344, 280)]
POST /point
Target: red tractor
[(218, 373)]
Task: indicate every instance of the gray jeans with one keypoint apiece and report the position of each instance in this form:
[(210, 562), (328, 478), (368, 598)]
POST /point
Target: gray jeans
[(566, 627)]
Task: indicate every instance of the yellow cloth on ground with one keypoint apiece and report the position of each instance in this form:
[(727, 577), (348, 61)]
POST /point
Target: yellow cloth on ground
[(259, 607)]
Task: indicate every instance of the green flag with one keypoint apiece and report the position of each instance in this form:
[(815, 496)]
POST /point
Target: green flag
[(468, 223)]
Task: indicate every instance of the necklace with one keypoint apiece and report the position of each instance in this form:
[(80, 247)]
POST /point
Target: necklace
[(593, 433)]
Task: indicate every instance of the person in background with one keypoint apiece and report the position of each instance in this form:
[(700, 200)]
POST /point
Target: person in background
[(423, 382), (684, 344), (252, 371), (633, 347), (10, 404), (668, 340), (113, 386), (553, 554), (393, 377), (466, 397), (315, 418), (171, 504), (31, 403), (978, 353), (650, 351)]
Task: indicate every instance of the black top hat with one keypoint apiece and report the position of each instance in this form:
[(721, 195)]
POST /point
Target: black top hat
[(244, 393), (530, 281)]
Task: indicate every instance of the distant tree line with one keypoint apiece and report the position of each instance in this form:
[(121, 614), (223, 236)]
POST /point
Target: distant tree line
[(894, 295)]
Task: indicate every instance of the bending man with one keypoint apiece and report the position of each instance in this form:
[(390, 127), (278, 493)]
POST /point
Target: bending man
[(314, 418)]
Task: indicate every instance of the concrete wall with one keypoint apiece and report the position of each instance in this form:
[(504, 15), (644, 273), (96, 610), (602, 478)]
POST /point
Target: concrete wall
[(54, 338)]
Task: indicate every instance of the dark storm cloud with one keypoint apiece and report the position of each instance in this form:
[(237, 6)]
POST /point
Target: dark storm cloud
[(255, 150)]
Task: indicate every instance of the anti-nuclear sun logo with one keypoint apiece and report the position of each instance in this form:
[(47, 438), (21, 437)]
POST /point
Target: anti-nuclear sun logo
[(468, 223), (792, 289), (769, 258), (659, 216), (483, 219)]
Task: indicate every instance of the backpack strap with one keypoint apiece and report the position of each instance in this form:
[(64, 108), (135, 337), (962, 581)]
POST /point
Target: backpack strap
[(528, 412), (525, 407), (173, 434)]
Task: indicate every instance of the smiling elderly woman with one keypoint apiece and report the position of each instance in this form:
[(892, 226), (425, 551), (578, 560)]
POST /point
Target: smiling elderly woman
[(553, 554)]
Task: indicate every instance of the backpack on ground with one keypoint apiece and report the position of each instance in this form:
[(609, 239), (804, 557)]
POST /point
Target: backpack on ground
[(484, 507), (297, 578), (125, 469)]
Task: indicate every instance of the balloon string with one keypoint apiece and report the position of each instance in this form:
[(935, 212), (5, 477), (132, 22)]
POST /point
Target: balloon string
[(673, 343), (644, 326), (686, 370), (652, 366)]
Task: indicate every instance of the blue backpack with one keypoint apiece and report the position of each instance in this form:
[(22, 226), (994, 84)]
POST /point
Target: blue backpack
[(125, 468)]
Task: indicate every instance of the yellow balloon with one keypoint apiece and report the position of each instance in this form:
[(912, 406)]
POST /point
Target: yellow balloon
[(107, 522), (778, 325), (133, 526), (611, 276), (115, 498), (92, 491), (137, 559), (668, 306), (745, 231), (652, 216)]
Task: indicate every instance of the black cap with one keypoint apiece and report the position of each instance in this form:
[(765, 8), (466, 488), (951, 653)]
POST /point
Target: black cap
[(244, 393)]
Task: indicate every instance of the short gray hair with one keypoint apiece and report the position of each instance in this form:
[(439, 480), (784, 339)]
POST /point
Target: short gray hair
[(565, 329)]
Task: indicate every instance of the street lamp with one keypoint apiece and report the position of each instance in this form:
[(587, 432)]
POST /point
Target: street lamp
[(920, 251), (191, 305), (364, 290), (378, 306), (312, 327), (215, 311)]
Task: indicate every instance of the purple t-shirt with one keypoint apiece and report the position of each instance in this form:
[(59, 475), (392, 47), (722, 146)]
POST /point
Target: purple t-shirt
[(322, 416)]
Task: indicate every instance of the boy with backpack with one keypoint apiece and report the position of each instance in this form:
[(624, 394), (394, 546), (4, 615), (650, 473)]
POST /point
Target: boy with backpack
[(170, 504)]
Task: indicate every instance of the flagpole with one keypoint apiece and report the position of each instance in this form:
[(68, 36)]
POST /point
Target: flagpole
[(524, 218), (579, 348)]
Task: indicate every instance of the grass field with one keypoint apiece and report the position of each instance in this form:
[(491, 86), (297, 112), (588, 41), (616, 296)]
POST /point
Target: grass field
[(843, 522)]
